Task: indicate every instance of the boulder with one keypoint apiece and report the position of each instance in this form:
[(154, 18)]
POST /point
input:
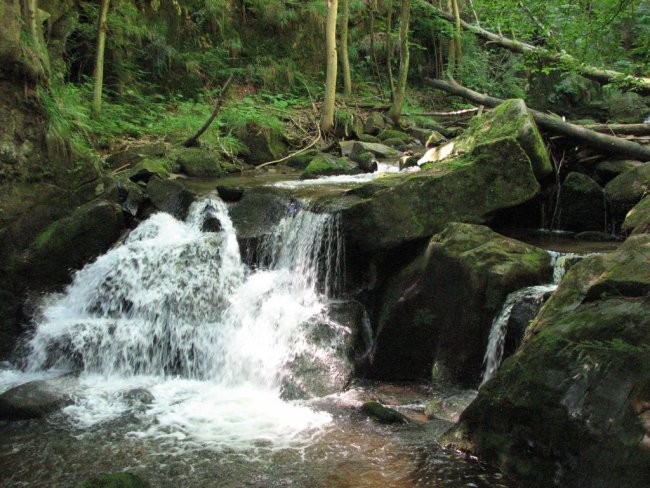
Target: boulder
[(398, 208), (626, 190), (37, 398), (69, 243), (426, 137), (610, 169), (374, 124), (582, 204), (258, 212), (394, 134), (395, 143), (637, 220), (265, 143), (200, 162), (170, 197), (328, 165), (437, 311), (509, 120), (379, 150), (347, 125), (570, 408)]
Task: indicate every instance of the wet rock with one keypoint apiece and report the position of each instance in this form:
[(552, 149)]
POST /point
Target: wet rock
[(115, 480), (395, 209), (37, 398), (170, 197), (383, 414), (230, 193), (610, 169), (566, 410), (366, 161), (396, 143), (138, 397), (386, 134), (71, 242), (582, 204), (258, 213), (379, 150), (201, 162)]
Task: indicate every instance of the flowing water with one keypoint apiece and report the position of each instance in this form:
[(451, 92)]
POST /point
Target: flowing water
[(181, 355), (534, 295)]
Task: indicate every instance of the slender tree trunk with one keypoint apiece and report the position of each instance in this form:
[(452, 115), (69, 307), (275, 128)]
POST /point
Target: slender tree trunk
[(451, 58), (398, 96), (194, 140), (458, 44), (327, 117), (389, 48), (31, 10), (345, 59), (99, 58), (373, 52), (603, 142)]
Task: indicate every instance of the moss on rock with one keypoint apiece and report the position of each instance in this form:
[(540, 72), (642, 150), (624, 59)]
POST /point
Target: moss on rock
[(327, 165), (115, 480)]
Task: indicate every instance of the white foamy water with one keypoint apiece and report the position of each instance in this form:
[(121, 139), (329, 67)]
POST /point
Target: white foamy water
[(173, 311), (382, 168)]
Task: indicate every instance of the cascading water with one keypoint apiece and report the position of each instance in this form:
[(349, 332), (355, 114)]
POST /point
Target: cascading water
[(173, 309), (532, 294)]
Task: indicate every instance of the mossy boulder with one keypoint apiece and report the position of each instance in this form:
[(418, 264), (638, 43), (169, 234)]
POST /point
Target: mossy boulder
[(396, 143), (374, 124), (582, 204), (257, 213), (201, 162), (328, 165), (438, 309), (265, 143), (115, 480), (637, 220), (170, 197), (509, 120), (394, 134), (577, 394), (302, 160), (347, 125), (626, 190), (609, 169), (369, 138), (69, 243), (379, 150), (398, 208)]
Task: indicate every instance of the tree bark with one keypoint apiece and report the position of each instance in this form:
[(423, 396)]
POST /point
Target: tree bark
[(389, 48), (603, 76), (194, 140), (345, 59), (327, 117), (99, 58), (603, 142), (404, 57), (621, 129)]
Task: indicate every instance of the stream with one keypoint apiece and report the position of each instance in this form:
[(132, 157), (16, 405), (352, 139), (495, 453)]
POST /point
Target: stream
[(184, 365)]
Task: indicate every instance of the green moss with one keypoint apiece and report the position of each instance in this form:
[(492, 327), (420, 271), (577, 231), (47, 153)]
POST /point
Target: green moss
[(369, 138), (324, 165), (394, 134)]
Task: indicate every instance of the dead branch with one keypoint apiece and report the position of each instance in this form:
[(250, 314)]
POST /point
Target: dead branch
[(194, 140)]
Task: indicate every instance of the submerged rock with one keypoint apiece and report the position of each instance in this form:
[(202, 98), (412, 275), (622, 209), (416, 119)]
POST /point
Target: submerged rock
[(569, 408), (438, 310), (382, 413), (37, 398)]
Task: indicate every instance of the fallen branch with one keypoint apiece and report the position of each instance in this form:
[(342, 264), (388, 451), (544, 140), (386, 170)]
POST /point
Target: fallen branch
[(604, 76), (194, 140), (622, 129), (292, 154), (445, 114), (603, 142)]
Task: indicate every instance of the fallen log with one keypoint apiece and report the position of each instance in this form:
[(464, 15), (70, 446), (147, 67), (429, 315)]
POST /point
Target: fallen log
[(621, 129), (601, 75), (604, 142)]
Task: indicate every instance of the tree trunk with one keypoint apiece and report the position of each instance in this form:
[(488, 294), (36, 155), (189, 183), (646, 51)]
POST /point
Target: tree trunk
[(398, 96), (99, 59), (458, 45), (621, 129), (389, 48), (327, 117), (451, 57), (604, 76), (603, 142), (31, 11), (345, 59), (194, 140)]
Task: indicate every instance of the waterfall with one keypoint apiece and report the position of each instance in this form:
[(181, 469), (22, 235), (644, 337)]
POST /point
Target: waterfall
[(532, 294), (173, 308)]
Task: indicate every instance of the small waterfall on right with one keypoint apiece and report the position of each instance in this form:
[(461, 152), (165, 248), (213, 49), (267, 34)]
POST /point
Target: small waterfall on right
[(533, 297)]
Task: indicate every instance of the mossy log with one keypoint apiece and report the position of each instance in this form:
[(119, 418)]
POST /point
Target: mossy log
[(604, 142), (600, 75)]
